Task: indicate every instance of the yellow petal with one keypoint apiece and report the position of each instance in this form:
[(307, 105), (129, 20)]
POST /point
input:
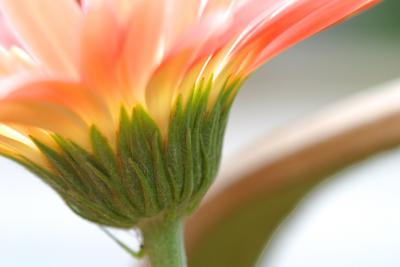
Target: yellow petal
[(75, 98), (47, 116), (13, 145), (191, 49)]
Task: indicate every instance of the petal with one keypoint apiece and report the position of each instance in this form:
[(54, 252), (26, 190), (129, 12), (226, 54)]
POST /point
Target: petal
[(13, 61), (69, 96), (15, 148), (54, 107), (17, 69), (256, 23), (122, 8), (262, 22), (247, 17), (316, 21), (213, 5), (100, 59), (99, 56), (143, 48), (194, 46), (180, 15), (210, 34), (15, 135), (49, 29), (17, 142), (36, 114), (37, 133), (243, 26), (7, 37)]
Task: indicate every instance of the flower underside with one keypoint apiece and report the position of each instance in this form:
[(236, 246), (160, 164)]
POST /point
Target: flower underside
[(147, 175), (121, 105)]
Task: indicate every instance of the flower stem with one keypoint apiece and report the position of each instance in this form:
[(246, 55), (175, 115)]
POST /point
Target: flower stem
[(163, 243)]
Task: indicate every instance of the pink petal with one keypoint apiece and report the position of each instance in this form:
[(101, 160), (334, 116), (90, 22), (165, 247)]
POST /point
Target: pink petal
[(14, 60), (318, 20), (7, 37), (291, 18), (123, 8), (49, 29), (179, 17), (213, 5)]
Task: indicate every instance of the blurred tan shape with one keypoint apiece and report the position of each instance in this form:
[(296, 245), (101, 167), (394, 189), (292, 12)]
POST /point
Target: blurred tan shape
[(280, 169)]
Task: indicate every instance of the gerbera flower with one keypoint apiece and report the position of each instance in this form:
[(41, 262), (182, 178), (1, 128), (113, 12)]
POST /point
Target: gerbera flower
[(121, 105)]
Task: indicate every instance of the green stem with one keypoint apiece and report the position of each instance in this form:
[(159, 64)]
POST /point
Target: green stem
[(163, 243)]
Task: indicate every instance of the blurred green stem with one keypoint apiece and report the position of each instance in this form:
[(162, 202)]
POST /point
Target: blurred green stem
[(163, 243)]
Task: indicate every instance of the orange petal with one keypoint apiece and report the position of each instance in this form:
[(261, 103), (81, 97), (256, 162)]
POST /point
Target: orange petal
[(262, 22), (49, 29), (247, 16), (99, 55), (315, 21), (74, 97), (143, 48), (47, 116), (266, 20)]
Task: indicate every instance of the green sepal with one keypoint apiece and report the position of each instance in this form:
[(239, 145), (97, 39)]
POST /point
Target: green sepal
[(144, 174)]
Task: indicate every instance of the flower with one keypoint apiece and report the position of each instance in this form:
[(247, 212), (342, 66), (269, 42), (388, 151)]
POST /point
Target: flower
[(121, 105)]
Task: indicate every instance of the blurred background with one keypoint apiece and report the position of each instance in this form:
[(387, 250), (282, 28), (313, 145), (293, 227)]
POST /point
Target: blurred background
[(349, 221)]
